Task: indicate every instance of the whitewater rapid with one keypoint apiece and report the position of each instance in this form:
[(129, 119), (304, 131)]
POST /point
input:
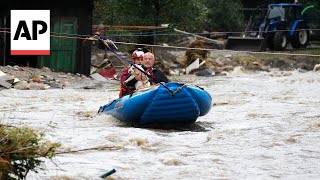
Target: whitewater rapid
[(263, 125)]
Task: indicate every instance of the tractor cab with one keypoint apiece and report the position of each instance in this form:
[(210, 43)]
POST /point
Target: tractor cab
[(285, 12)]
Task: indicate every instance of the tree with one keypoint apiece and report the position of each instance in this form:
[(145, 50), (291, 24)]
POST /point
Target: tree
[(187, 15), (191, 15), (225, 15)]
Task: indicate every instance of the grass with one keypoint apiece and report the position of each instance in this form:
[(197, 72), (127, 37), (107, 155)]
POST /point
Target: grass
[(307, 51), (260, 58), (20, 151)]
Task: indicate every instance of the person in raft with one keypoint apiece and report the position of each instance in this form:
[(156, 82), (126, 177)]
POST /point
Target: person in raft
[(137, 58), (156, 74), (141, 80)]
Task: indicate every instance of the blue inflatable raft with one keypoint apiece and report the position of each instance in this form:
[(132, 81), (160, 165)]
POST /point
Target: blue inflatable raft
[(173, 103)]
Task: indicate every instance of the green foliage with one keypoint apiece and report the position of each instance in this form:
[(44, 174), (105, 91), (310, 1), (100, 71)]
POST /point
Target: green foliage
[(312, 15), (125, 12), (225, 15), (191, 15), (21, 150), (102, 11), (186, 15)]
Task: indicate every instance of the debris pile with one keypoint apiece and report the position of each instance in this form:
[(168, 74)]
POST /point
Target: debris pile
[(27, 78)]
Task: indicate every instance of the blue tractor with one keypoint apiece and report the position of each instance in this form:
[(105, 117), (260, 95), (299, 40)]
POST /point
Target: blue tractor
[(273, 28)]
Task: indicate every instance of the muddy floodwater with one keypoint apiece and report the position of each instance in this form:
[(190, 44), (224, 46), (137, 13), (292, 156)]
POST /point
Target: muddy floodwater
[(263, 125)]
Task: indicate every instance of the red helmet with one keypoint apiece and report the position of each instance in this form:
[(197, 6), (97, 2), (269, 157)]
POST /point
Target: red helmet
[(137, 54)]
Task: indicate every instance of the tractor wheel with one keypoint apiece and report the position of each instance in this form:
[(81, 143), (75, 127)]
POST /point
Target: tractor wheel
[(280, 41), (270, 37), (301, 37)]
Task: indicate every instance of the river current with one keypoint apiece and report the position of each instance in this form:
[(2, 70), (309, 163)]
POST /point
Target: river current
[(263, 125)]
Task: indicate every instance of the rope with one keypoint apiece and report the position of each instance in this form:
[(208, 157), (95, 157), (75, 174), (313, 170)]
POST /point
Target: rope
[(183, 86), (179, 89), (207, 49), (6, 32), (224, 50), (213, 32), (174, 34), (123, 58), (70, 37), (87, 37)]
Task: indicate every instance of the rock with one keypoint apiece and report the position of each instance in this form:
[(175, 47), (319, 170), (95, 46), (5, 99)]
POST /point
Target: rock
[(46, 69), (65, 83), (36, 79), (218, 62), (16, 68), (301, 65), (62, 76), (256, 64), (223, 61), (55, 84), (95, 86), (280, 63), (94, 57), (238, 69), (38, 86), (176, 71), (264, 68), (93, 70), (223, 73), (316, 67), (182, 60), (5, 84), (205, 72), (22, 85), (100, 56), (225, 68), (48, 78), (6, 80), (211, 66)]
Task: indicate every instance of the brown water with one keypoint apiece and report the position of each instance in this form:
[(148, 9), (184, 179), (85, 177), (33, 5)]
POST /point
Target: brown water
[(262, 126)]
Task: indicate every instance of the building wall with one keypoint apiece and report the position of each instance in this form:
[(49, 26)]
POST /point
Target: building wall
[(81, 9)]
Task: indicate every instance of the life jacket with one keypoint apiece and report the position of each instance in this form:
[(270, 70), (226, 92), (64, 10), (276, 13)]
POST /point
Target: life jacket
[(150, 71), (123, 89), (122, 92)]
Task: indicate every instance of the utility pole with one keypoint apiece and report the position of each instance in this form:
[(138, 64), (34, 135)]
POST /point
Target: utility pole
[(4, 40)]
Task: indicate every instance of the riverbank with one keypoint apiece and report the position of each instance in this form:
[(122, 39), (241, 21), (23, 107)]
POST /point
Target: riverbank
[(171, 63)]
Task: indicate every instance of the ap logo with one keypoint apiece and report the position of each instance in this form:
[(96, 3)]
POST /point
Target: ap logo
[(30, 32)]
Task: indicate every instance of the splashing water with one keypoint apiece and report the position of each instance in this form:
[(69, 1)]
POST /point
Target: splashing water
[(262, 125)]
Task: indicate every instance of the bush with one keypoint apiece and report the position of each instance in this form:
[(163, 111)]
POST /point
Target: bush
[(21, 150)]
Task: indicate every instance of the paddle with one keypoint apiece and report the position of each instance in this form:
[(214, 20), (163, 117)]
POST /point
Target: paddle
[(123, 58)]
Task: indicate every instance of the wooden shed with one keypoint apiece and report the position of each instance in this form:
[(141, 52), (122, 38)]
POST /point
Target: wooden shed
[(67, 18)]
